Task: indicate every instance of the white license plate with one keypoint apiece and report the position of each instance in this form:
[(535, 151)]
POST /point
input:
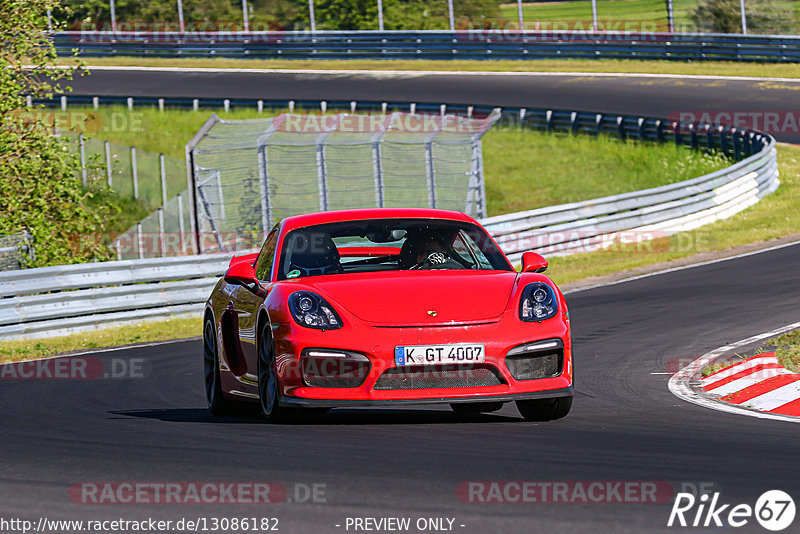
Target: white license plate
[(439, 354)]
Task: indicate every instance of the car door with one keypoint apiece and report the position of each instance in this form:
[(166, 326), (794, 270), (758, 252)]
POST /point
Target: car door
[(247, 303)]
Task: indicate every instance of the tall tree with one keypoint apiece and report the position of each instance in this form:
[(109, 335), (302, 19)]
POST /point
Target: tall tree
[(38, 182)]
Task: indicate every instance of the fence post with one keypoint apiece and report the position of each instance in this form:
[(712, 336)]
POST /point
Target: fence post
[(744, 17), (451, 16), (594, 15), (245, 17), (380, 15), (181, 225), (670, 17), (180, 16), (322, 176), (134, 174), (161, 234), (163, 168), (430, 174), (377, 169), (520, 16), (113, 9), (311, 17), (108, 161), (139, 240), (82, 141), (263, 182)]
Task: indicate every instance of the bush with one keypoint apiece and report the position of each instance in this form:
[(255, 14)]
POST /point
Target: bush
[(38, 182), (763, 16)]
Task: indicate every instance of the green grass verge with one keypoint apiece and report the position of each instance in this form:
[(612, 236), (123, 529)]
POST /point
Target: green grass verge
[(108, 337), (773, 217), (700, 68), (788, 350), (524, 169)]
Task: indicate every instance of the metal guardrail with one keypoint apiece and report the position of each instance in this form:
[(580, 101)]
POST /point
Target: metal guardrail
[(59, 300), (52, 301), (459, 44)]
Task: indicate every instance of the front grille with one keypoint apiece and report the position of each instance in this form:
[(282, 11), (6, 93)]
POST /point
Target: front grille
[(530, 367), (447, 376)]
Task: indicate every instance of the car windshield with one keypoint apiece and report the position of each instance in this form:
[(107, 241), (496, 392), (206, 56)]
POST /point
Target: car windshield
[(388, 245)]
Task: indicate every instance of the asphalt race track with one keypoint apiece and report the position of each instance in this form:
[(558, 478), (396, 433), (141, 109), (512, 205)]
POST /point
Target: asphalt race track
[(624, 426), (656, 97)]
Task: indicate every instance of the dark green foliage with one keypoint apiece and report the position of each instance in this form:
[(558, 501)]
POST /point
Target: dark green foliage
[(39, 190), (763, 16)]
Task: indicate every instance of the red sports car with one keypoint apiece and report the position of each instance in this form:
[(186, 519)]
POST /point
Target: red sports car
[(386, 307)]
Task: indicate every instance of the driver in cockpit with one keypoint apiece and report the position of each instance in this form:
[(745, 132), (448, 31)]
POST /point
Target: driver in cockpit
[(425, 250)]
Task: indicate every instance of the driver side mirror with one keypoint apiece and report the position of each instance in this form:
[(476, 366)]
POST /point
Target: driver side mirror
[(533, 262), (241, 273)]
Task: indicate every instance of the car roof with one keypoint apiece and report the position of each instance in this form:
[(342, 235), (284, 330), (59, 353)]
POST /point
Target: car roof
[(311, 219)]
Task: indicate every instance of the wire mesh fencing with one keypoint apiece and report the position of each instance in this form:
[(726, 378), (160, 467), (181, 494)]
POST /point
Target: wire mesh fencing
[(249, 174)]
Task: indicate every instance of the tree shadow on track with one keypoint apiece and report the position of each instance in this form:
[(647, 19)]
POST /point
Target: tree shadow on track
[(334, 418)]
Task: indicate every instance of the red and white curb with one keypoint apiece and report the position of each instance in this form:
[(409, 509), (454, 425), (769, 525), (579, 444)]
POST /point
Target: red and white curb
[(758, 386), (759, 383)]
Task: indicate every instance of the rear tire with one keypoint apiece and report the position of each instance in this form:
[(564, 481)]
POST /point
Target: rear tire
[(465, 408), (544, 409), (268, 384), (217, 403)]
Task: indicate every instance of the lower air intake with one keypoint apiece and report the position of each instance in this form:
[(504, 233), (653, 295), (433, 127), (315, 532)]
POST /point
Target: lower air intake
[(530, 367), (439, 377)]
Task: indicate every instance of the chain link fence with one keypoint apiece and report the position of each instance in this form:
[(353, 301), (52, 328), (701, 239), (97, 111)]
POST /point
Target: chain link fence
[(248, 174)]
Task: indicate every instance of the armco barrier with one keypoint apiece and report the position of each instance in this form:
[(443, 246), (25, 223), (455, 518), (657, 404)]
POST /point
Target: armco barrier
[(58, 300), (460, 44)]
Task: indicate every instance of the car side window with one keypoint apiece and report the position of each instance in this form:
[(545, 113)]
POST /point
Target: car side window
[(266, 256)]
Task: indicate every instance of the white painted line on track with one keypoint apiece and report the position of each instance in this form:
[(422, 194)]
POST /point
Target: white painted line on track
[(680, 383), (411, 73)]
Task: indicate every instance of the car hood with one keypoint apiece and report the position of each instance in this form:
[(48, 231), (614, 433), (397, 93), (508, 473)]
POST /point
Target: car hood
[(406, 298)]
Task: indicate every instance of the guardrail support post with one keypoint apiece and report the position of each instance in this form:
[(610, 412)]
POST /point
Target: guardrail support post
[(659, 131), (723, 139), (63, 103), (676, 130), (130, 103), (621, 128)]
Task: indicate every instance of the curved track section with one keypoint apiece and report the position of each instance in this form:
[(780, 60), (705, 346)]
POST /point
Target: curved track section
[(629, 94), (625, 425)]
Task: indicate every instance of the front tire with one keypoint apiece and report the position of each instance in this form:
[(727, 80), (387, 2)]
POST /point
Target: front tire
[(268, 385), (544, 409), (217, 403)]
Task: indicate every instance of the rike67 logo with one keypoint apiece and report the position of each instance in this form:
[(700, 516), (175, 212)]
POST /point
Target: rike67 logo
[(774, 510)]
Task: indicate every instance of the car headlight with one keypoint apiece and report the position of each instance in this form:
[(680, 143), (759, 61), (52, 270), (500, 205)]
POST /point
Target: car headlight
[(312, 311), (538, 302)]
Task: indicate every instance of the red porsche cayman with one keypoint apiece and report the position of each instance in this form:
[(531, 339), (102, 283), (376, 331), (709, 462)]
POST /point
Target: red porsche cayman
[(386, 307)]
